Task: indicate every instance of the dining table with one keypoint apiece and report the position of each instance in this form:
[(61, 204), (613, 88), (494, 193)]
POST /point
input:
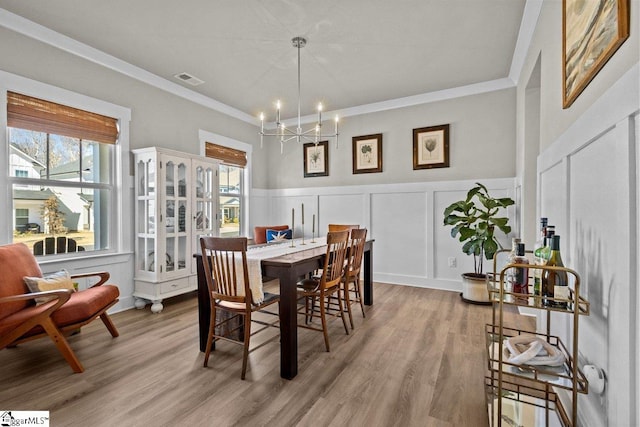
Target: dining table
[(288, 268)]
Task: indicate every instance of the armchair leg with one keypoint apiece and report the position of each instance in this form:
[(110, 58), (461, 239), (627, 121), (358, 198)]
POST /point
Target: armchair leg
[(109, 324), (63, 346)]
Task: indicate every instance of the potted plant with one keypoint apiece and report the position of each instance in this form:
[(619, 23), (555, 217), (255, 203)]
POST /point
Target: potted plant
[(475, 220)]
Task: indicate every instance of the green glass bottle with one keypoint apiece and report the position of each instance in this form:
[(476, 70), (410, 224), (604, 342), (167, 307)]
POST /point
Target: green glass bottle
[(541, 255), (555, 284)]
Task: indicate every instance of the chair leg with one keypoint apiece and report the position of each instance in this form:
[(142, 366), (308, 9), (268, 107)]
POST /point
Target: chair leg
[(341, 308), (63, 345), (247, 337), (323, 318), (347, 301), (212, 327), (308, 312), (109, 324), (358, 289)]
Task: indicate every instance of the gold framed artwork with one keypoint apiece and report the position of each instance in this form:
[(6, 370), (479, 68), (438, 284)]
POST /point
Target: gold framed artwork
[(316, 159), (367, 153), (431, 147), (591, 33)]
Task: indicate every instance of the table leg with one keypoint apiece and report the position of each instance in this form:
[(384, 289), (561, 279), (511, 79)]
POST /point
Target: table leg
[(368, 276), (204, 306), (288, 324)]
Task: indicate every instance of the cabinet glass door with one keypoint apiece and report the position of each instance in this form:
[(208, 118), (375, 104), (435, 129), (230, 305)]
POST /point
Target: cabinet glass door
[(146, 209), (175, 214), (205, 203)]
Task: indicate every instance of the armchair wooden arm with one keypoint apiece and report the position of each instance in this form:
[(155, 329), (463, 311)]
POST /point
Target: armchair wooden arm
[(40, 316)]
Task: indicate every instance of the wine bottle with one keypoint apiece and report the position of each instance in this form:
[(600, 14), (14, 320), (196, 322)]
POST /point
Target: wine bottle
[(511, 260), (521, 276), (555, 284), (537, 253)]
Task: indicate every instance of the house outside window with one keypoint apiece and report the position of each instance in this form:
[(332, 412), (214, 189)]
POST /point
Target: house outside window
[(22, 219)]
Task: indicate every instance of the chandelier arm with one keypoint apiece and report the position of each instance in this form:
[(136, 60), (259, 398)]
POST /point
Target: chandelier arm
[(299, 124)]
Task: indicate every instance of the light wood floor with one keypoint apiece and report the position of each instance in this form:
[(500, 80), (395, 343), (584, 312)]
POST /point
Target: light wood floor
[(416, 360)]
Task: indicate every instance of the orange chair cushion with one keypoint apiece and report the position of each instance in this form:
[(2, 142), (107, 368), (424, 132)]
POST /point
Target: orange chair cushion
[(260, 233), (16, 262), (84, 304)]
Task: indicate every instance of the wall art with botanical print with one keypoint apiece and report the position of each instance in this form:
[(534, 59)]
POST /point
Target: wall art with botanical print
[(431, 147), (367, 153), (316, 159)]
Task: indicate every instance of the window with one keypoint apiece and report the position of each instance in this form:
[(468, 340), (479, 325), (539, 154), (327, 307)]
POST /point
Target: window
[(63, 182), (231, 187), (22, 219), (230, 199)]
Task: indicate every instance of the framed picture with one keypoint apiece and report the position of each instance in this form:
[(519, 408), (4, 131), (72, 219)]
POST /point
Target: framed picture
[(316, 159), (431, 147), (591, 33), (367, 153)]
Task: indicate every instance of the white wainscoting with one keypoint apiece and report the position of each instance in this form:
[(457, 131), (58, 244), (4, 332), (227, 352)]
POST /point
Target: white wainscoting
[(588, 187), (412, 246)]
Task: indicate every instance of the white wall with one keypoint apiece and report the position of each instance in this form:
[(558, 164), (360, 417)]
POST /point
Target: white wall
[(588, 186), (412, 246)]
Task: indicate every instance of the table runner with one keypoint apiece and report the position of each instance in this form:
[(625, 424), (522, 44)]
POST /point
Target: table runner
[(257, 253)]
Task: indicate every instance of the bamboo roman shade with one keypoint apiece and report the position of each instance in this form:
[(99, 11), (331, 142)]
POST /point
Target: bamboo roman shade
[(228, 156), (31, 113)]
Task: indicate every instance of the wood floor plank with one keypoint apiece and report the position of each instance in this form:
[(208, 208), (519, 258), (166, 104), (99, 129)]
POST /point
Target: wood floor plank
[(417, 359)]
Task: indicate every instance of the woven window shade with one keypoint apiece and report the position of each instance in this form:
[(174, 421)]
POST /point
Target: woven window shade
[(26, 112), (228, 156)]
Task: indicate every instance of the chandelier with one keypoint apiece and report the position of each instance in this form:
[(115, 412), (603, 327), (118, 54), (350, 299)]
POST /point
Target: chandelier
[(313, 134)]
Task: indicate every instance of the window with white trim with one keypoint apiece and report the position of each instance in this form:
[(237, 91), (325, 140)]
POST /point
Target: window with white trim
[(69, 158)]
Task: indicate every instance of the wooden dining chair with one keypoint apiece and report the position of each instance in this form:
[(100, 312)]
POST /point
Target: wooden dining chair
[(226, 272), (351, 278), (342, 227), (326, 286)]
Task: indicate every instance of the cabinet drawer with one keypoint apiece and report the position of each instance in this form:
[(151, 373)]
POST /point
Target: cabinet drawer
[(173, 286)]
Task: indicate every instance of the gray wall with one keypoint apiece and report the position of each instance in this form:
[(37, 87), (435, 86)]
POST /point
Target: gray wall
[(482, 144)]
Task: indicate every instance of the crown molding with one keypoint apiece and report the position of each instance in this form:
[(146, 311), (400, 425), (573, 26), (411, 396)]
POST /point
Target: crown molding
[(530, 17)]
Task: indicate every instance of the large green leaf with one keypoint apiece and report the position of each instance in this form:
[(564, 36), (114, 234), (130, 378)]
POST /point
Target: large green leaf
[(490, 248)]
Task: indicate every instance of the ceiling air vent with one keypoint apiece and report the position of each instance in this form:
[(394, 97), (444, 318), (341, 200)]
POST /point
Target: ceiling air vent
[(188, 78)]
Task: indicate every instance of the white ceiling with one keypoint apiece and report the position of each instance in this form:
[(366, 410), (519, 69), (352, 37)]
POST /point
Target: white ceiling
[(358, 51)]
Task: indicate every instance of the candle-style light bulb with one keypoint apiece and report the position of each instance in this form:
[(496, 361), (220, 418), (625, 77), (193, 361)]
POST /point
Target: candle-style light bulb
[(261, 128), (277, 112), (319, 112)]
